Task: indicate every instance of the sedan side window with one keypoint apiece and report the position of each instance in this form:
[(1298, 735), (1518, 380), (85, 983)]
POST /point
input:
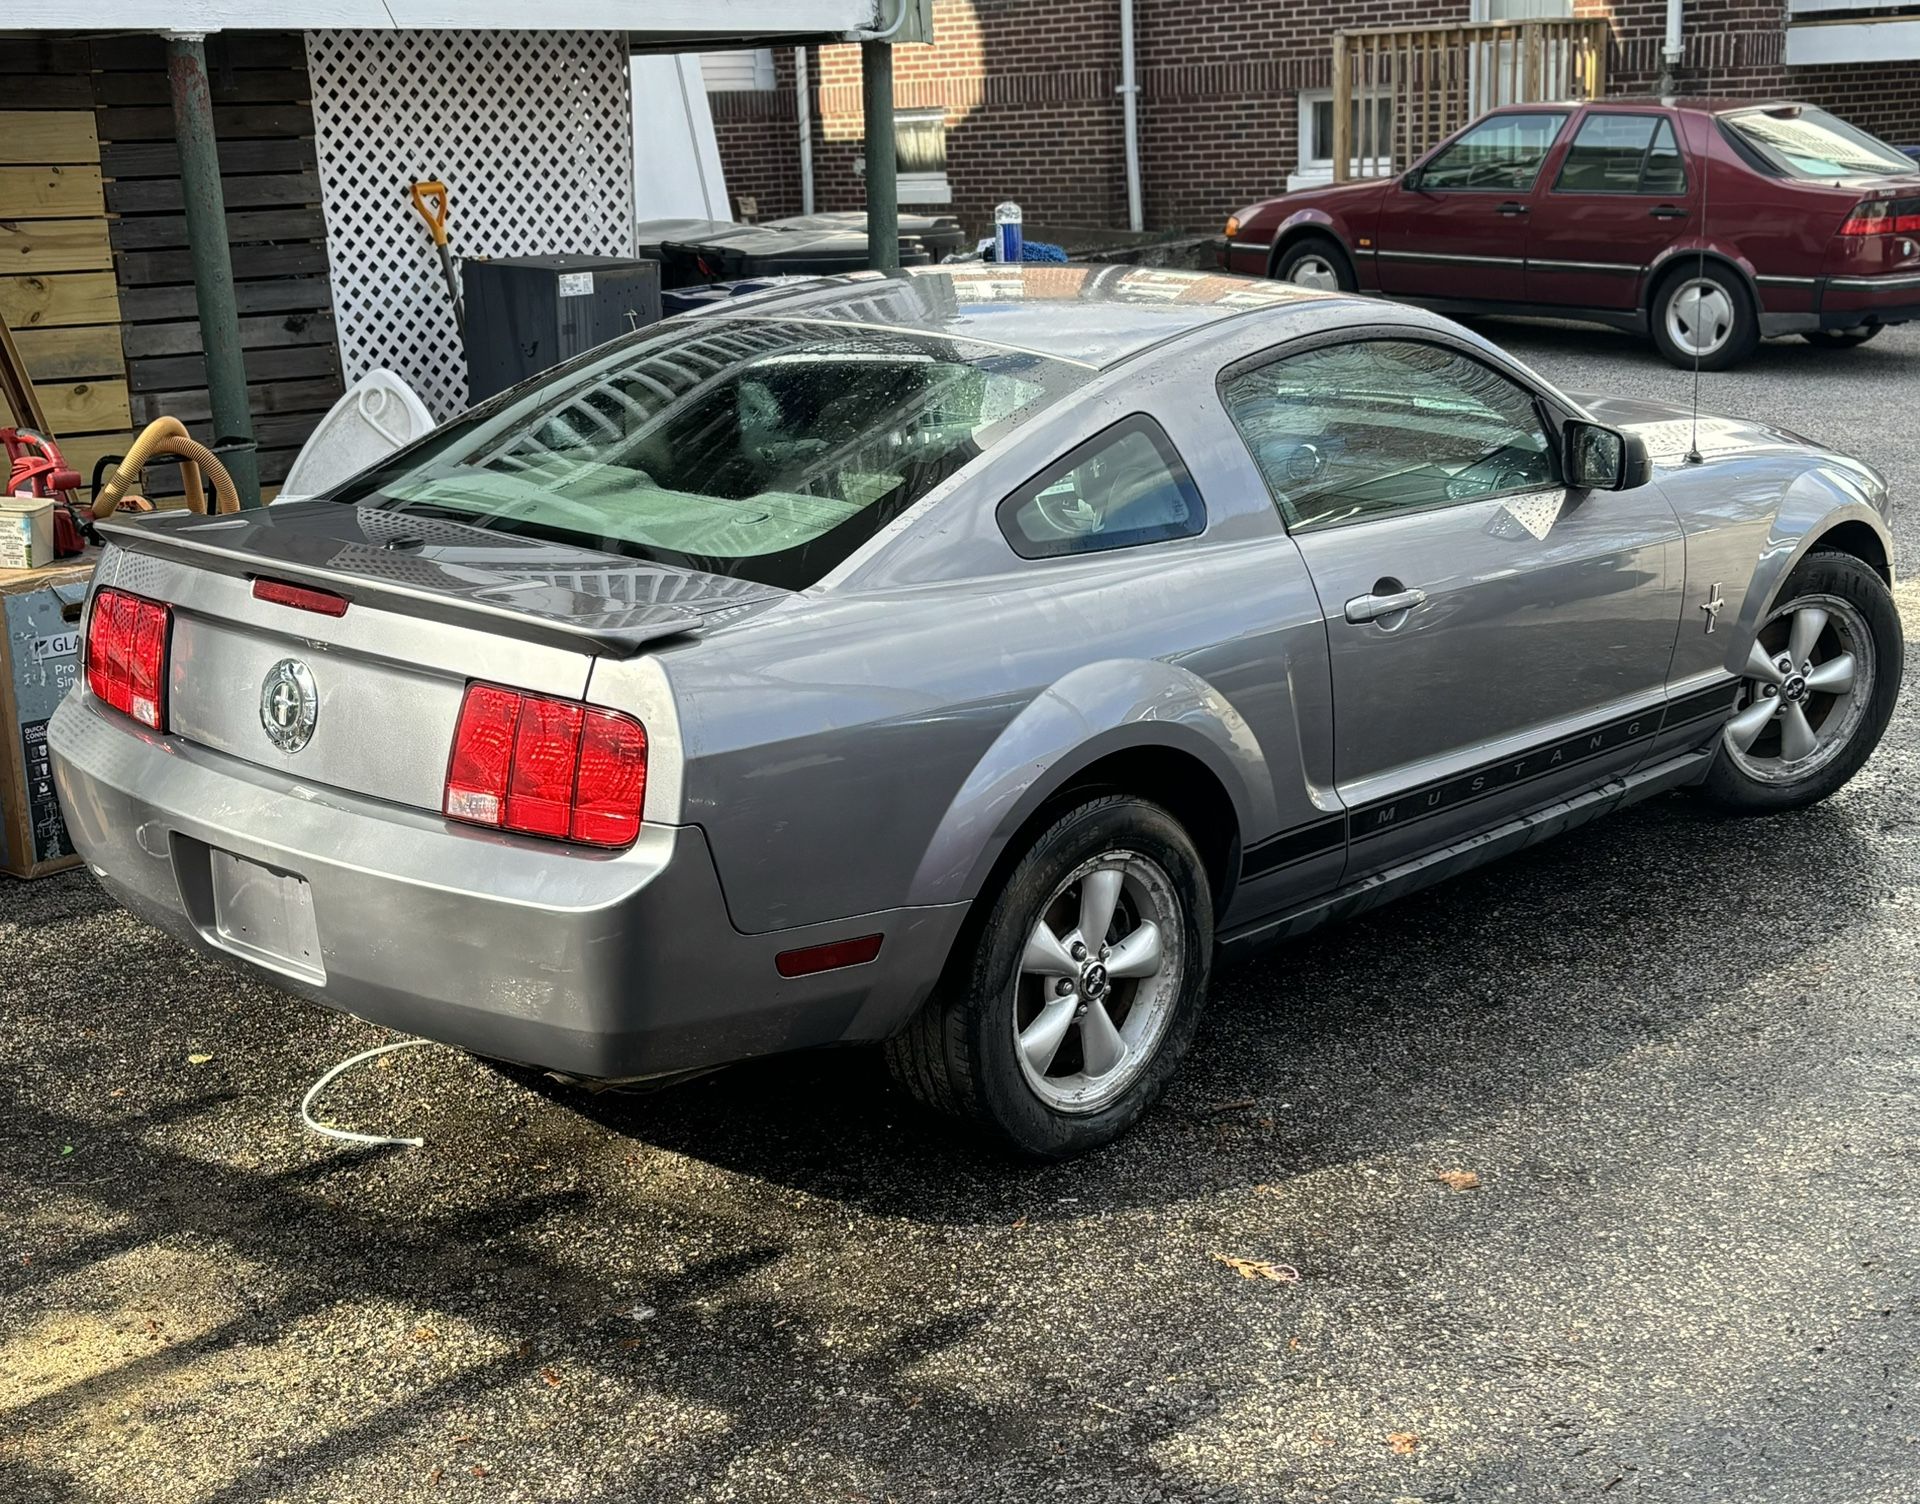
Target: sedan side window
[(1502, 153), (1353, 431), (1622, 154), (1123, 487)]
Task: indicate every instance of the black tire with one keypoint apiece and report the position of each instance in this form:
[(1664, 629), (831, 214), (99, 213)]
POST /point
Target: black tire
[(1743, 333), (1841, 339), (959, 1054), (1734, 788), (1326, 250)]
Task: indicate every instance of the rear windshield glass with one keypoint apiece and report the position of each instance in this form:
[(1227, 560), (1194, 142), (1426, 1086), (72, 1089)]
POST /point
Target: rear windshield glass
[(1803, 142), (768, 450)]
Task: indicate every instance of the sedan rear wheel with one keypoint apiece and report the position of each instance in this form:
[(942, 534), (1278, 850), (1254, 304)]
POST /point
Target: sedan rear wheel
[(1074, 995), (1702, 314), (1817, 692)]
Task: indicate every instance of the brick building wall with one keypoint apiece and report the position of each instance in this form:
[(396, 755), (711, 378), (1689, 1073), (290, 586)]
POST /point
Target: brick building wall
[(1030, 91)]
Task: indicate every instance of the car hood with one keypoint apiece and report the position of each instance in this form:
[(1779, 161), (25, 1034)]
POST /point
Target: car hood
[(1669, 431)]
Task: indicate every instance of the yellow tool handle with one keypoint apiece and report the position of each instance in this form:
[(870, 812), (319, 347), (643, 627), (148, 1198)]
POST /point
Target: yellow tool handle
[(430, 200)]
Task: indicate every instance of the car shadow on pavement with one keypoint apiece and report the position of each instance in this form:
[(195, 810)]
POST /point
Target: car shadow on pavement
[(1439, 1010)]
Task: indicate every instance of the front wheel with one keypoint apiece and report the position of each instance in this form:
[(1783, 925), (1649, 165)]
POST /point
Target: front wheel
[(1314, 261), (1702, 314), (1819, 689), (1069, 1007)]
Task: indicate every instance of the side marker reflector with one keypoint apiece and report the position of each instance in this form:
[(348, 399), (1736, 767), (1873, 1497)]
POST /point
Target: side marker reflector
[(830, 957)]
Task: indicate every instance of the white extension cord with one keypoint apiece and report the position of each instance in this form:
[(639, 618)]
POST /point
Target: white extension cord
[(313, 1091)]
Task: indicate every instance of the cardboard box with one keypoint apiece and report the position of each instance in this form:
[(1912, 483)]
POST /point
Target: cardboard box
[(39, 659), (26, 532)]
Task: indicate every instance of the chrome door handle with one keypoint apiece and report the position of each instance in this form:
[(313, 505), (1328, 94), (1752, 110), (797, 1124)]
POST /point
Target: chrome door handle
[(1667, 211), (1510, 207), (1373, 607)]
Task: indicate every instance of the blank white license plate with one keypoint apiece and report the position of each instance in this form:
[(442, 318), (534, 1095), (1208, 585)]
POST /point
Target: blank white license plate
[(266, 916)]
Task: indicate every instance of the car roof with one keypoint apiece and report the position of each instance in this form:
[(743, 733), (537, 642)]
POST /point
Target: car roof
[(1093, 315), (1686, 103)]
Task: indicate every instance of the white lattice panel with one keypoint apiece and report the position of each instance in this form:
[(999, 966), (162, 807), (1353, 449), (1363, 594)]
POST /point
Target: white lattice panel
[(531, 131)]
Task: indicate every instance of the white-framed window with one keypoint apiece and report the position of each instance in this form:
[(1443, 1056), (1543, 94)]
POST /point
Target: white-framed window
[(736, 72), (1316, 138)]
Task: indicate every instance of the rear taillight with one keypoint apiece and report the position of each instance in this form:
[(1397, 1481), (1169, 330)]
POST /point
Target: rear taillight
[(127, 655), (541, 766), (1884, 216)]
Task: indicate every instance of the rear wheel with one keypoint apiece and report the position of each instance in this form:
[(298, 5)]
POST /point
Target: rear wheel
[(1315, 261), (1841, 339), (1069, 1007), (1819, 689), (1703, 313)]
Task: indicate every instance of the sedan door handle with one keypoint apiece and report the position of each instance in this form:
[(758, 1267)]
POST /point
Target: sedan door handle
[(1511, 208), (1666, 211), (1373, 607)]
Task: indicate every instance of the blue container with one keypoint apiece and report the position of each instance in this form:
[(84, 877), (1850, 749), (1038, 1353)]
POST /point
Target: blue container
[(1006, 233)]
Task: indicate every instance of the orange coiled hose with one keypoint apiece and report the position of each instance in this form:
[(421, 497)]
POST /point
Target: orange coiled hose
[(168, 436)]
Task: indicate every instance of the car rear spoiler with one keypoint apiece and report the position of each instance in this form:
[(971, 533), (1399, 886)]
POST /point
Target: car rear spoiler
[(534, 593)]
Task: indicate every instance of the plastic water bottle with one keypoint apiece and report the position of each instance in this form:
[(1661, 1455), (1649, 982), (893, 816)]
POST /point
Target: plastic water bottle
[(1006, 233)]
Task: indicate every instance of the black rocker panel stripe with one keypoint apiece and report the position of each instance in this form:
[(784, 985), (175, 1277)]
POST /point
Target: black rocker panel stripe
[(1416, 804), (1295, 845)]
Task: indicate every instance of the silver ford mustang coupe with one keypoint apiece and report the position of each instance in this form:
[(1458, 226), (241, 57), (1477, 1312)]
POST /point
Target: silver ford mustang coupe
[(962, 661)]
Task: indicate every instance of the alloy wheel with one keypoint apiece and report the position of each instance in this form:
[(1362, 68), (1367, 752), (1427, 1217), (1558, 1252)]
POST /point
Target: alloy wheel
[(1808, 681), (1700, 316), (1098, 981)]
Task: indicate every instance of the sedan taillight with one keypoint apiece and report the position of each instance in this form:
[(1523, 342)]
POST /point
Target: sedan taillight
[(127, 655), (541, 766), (1884, 216)]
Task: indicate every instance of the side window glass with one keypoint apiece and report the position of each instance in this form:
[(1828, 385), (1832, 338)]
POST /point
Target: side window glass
[(1607, 154), (1665, 173), (1354, 431), (1123, 487), (1502, 153)]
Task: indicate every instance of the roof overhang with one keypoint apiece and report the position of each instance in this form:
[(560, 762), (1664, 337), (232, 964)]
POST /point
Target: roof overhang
[(652, 22)]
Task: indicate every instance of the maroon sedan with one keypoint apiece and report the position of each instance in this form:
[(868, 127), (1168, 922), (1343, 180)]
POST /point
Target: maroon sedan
[(1705, 223)]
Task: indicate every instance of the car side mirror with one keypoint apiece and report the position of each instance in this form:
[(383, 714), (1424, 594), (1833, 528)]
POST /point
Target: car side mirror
[(1411, 180), (1604, 459)]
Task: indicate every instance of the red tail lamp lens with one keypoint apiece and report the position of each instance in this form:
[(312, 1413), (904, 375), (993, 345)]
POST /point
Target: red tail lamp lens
[(1874, 217), (542, 766), (127, 640), (300, 597)]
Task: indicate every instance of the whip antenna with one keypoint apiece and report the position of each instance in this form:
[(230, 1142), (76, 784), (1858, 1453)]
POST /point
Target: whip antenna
[(1700, 275)]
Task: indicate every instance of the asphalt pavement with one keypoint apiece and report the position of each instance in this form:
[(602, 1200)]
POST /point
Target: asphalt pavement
[(1593, 1175)]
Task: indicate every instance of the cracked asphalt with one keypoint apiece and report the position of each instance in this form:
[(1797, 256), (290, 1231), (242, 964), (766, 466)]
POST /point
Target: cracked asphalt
[(1682, 1057)]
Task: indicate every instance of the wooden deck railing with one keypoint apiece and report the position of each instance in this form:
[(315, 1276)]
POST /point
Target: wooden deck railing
[(1422, 83)]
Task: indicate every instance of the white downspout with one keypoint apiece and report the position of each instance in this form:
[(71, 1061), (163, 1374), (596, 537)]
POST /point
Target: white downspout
[(803, 106), (1675, 50), (1129, 94)]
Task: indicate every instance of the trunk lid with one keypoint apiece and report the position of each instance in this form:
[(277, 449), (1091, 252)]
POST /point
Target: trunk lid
[(432, 604)]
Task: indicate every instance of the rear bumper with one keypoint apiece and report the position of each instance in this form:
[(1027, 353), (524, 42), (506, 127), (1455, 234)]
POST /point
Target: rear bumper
[(599, 965), (1796, 305)]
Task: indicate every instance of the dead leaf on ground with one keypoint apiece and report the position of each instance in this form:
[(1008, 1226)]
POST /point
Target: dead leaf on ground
[(1403, 1442), (423, 1334), (198, 1059), (1280, 1274), (552, 1378), (1458, 1180)]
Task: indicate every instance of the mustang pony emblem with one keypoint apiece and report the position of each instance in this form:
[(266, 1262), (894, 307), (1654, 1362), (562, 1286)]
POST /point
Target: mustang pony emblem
[(289, 704)]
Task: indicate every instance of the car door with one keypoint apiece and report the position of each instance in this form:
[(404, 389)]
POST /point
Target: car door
[(1496, 639), (1618, 197), (1456, 226)]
